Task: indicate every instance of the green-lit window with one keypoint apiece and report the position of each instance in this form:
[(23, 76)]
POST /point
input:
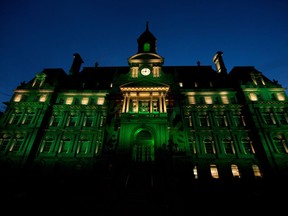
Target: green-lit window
[(282, 117), (192, 144), (221, 120), (228, 146), (46, 146), (55, 120), (146, 47), (83, 146), (143, 106), (88, 122), (15, 118), (268, 118), (280, 144), (28, 118), (209, 146), (239, 120), (72, 120), (204, 120), (4, 142), (17, 142), (65, 145), (247, 145), (76, 101)]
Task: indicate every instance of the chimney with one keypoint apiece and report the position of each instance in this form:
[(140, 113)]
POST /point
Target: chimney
[(219, 63), (75, 67)]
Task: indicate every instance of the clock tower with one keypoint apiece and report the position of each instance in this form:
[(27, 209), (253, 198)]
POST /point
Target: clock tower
[(144, 127), (146, 62)]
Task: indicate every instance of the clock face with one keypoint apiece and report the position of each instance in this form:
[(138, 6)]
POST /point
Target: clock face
[(145, 71)]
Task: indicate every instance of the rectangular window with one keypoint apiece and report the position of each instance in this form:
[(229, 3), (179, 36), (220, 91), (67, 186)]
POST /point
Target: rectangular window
[(65, 147), (214, 171), (280, 96), (191, 100), (85, 101), (247, 145), (17, 98), (83, 146), (256, 171), (16, 144), (88, 121), (4, 143), (235, 171), (282, 118), (268, 118), (208, 100), (46, 146), (228, 145), (28, 118), (221, 120), (225, 99), (209, 146), (204, 120), (100, 101), (72, 121), (15, 118), (195, 172), (43, 98), (69, 100), (55, 119)]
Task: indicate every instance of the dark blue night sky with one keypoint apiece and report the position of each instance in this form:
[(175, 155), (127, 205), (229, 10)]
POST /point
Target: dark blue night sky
[(45, 34)]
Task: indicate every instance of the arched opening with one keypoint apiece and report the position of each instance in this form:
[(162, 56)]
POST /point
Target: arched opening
[(143, 148), (146, 47)]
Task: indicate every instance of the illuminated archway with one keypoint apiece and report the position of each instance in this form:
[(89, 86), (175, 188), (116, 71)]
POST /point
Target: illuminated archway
[(143, 146)]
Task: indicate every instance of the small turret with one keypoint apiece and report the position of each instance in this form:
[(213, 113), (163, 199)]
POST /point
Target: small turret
[(75, 67)]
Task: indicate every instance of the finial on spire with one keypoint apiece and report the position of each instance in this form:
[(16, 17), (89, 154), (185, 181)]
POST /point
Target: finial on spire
[(147, 27)]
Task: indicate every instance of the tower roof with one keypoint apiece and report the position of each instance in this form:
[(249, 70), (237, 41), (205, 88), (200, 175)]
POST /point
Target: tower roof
[(147, 38)]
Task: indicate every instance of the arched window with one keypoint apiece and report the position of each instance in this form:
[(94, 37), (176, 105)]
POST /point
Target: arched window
[(146, 47)]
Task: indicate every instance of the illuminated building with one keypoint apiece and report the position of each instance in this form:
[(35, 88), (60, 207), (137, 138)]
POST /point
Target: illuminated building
[(173, 130)]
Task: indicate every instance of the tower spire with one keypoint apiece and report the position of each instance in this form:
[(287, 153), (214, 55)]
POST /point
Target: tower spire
[(147, 26)]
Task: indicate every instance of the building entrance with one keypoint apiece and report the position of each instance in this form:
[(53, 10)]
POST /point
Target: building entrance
[(143, 148)]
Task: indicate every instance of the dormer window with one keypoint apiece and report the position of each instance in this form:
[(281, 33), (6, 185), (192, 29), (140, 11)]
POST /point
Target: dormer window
[(258, 79), (39, 80)]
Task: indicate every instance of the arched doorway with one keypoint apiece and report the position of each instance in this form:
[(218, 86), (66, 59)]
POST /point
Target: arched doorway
[(143, 148)]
